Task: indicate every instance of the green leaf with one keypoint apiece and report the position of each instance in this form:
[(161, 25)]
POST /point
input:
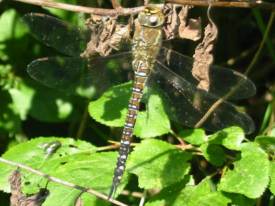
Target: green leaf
[(33, 154), (175, 195), (93, 171), (111, 109), (267, 143), (193, 136), (186, 195), (239, 200), (231, 138), (158, 164), (22, 96), (10, 26), (50, 105), (9, 119), (204, 194), (90, 200), (154, 121), (250, 175), (272, 177), (213, 153)]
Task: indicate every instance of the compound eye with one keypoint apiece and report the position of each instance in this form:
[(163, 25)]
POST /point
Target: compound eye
[(153, 20)]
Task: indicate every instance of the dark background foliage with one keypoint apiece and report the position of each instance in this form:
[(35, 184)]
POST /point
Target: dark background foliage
[(29, 110)]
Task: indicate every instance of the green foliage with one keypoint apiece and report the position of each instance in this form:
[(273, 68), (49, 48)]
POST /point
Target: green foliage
[(163, 165), (111, 108), (254, 166), (174, 165)]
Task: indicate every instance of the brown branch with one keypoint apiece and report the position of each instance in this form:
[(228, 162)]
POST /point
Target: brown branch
[(129, 11), (62, 182), (237, 4), (83, 9)]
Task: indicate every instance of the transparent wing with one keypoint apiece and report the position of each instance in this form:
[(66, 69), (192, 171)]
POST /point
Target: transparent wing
[(222, 80), (186, 104), (57, 34), (80, 76)]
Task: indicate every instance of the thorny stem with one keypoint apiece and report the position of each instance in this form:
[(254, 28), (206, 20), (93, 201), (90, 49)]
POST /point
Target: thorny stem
[(62, 182), (251, 65), (119, 11)]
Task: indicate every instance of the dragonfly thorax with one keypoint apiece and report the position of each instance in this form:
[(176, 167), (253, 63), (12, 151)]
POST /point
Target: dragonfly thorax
[(151, 17), (147, 37)]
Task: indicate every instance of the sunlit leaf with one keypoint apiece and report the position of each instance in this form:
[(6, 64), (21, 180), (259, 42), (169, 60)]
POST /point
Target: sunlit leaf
[(111, 108), (193, 136), (250, 175), (158, 164), (231, 138)]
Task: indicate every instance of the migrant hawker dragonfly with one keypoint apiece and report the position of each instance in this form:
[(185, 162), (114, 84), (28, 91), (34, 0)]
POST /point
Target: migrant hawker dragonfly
[(170, 77)]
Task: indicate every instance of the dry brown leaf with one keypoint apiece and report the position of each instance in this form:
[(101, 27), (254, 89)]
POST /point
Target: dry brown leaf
[(19, 199), (179, 25), (203, 57), (106, 35)]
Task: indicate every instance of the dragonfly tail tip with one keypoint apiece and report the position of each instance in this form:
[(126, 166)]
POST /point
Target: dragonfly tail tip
[(112, 191)]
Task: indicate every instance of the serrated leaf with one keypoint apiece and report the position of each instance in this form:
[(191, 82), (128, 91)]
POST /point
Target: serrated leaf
[(213, 153), (33, 154), (267, 143), (201, 194), (154, 121), (239, 200), (93, 171), (111, 109), (175, 195), (158, 164), (204, 194), (272, 177), (193, 136), (231, 138), (250, 175)]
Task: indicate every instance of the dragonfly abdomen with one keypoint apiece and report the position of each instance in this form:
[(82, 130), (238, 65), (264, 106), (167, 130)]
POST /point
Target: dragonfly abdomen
[(141, 75)]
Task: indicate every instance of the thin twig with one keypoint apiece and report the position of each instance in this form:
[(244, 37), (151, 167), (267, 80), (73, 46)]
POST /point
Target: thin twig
[(237, 4), (83, 9), (130, 11), (251, 65), (83, 124), (62, 182)]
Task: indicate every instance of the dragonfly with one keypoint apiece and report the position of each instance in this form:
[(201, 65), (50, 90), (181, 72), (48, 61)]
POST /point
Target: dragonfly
[(171, 77)]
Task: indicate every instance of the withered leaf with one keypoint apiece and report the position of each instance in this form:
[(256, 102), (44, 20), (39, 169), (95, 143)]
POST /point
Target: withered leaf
[(203, 57), (19, 199)]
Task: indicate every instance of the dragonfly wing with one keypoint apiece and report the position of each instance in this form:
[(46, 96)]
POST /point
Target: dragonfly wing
[(186, 104), (78, 75), (222, 80), (57, 34)]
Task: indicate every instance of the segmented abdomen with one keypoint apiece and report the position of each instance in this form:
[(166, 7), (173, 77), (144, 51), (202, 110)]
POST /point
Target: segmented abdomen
[(141, 75)]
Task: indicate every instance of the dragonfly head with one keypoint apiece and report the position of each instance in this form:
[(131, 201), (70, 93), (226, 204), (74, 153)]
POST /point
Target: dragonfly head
[(151, 16)]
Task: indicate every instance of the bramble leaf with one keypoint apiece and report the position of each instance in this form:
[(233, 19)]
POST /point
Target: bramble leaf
[(250, 175), (158, 164)]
